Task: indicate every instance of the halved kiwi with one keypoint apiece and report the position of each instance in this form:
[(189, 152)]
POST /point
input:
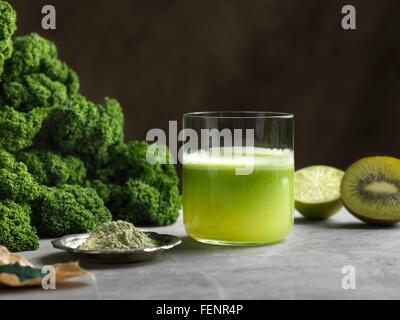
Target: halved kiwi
[(370, 190)]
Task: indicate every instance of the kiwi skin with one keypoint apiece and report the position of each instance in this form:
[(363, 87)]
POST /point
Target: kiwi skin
[(370, 221)]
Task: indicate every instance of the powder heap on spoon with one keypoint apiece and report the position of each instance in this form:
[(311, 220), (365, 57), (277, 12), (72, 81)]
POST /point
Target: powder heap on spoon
[(117, 235)]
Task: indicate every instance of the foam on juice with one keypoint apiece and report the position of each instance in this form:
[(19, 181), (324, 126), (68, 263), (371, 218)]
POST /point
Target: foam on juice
[(230, 157)]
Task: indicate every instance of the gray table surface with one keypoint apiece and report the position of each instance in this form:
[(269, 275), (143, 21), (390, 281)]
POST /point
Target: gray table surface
[(307, 265)]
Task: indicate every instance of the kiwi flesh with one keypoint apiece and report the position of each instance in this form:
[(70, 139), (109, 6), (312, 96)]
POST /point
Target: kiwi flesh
[(370, 190)]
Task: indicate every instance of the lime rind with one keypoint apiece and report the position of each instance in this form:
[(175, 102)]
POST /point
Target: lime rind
[(319, 211)]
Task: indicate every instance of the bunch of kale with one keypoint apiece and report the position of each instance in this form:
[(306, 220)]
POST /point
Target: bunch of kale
[(64, 166)]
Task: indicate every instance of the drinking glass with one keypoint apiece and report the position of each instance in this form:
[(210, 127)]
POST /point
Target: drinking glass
[(238, 171)]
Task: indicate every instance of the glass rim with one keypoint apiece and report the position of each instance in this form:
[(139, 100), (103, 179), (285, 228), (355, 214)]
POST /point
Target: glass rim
[(239, 115)]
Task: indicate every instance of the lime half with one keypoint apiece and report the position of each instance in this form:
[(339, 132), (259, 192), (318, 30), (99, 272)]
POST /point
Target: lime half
[(317, 191)]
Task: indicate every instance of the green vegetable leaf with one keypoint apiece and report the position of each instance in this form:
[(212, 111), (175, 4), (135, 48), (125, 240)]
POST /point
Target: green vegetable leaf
[(23, 273)]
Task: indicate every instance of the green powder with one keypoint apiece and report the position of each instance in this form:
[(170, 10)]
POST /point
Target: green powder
[(117, 235)]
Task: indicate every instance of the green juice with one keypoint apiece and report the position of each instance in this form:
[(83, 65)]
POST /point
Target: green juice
[(222, 207)]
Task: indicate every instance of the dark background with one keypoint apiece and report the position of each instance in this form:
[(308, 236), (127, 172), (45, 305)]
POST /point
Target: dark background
[(163, 58)]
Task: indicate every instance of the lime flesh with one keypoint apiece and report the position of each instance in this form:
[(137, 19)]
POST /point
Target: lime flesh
[(317, 191)]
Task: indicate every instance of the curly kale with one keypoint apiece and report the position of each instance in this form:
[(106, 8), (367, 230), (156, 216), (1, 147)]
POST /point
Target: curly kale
[(85, 129), (130, 160), (69, 209), (17, 188), (51, 169), (16, 232), (8, 20), (138, 203), (15, 181), (35, 77), (171, 201), (64, 157), (139, 192), (105, 190), (17, 129)]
